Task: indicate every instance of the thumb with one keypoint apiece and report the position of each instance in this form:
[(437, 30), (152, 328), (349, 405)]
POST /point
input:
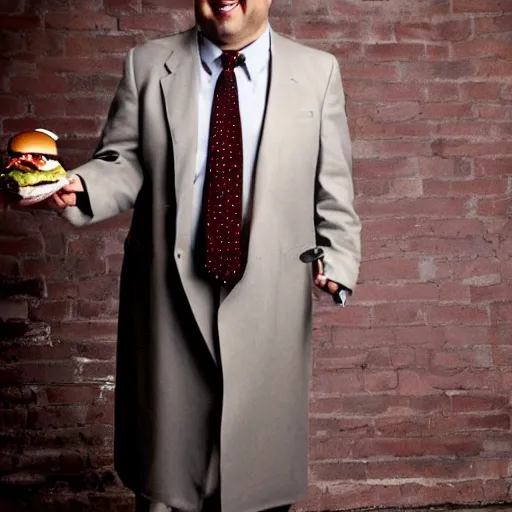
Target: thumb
[(75, 184)]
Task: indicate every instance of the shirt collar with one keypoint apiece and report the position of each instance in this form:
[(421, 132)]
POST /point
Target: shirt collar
[(257, 54)]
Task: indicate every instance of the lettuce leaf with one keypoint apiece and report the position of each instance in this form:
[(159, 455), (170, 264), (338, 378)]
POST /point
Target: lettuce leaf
[(24, 179)]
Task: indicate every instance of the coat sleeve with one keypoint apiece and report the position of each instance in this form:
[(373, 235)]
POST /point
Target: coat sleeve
[(338, 227), (114, 176)]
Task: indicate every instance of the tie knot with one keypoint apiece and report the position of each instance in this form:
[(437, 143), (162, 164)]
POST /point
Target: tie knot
[(231, 59)]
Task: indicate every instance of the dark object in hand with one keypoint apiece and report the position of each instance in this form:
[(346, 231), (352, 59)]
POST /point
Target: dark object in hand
[(316, 253)]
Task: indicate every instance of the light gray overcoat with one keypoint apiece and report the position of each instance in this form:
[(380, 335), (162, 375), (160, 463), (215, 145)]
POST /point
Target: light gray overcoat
[(170, 377)]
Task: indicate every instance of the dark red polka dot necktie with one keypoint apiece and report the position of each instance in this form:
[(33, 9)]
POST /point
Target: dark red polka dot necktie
[(224, 178)]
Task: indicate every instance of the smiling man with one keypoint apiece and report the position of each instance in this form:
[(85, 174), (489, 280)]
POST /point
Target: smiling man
[(230, 143)]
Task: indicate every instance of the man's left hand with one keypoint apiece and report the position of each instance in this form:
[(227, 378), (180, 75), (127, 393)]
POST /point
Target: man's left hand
[(321, 280)]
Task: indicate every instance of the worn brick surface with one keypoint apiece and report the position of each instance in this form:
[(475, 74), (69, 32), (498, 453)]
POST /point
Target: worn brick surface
[(411, 384)]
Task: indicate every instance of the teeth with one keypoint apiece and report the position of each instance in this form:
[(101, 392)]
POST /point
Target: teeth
[(228, 8)]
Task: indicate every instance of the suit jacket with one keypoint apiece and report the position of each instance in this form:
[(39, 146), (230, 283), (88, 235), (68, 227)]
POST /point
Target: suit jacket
[(176, 390)]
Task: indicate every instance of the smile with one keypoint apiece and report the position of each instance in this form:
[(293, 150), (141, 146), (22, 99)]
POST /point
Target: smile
[(226, 7)]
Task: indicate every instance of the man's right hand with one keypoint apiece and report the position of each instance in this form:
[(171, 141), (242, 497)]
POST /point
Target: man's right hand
[(66, 196)]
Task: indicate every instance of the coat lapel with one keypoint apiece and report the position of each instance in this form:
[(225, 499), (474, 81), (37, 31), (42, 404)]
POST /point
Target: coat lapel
[(178, 87), (282, 103), (180, 90)]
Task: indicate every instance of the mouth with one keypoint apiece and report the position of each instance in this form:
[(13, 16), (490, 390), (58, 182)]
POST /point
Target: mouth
[(225, 7)]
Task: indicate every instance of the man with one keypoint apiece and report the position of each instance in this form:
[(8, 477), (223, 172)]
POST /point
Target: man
[(231, 144)]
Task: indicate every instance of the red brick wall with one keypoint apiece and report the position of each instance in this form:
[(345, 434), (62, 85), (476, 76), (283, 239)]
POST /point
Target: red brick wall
[(410, 395)]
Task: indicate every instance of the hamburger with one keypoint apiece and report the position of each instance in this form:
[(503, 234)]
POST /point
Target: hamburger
[(33, 172)]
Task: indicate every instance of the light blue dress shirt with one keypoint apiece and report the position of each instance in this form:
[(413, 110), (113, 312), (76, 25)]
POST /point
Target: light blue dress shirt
[(252, 81)]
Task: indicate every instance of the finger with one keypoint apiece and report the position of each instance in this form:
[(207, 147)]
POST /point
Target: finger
[(75, 184), (332, 287), (57, 202), (319, 277), (69, 199)]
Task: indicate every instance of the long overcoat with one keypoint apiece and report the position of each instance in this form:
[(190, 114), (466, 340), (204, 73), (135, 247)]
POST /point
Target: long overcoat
[(176, 389)]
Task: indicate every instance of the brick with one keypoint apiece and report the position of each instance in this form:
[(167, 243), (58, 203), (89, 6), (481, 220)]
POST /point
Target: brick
[(405, 129), (434, 71), (12, 106), (57, 416), (480, 49), (31, 287), (385, 168), (342, 50), (437, 52), (327, 382), (436, 207), (87, 107), (35, 353), (321, 427), (47, 107), (81, 46), (500, 313), (15, 246), (401, 426), (476, 187), (51, 311), (337, 358), (442, 92), (500, 68), (328, 28), (92, 85), (480, 91), (469, 129), (11, 309), (390, 148), (38, 372), (384, 72), (81, 331), (361, 90), (464, 148), (478, 357), (154, 22), (399, 314), (493, 112), (453, 30), (470, 315), (20, 22), (83, 66), (123, 6), (471, 422), (494, 207), (96, 309), (380, 381), (45, 83), (353, 316), (436, 167), (471, 402), (466, 336), (492, 25), (85, 20), (338, 471), (452, 468), (444, 111), (395, 52), (461, 6), (13, 419), (450, 446), (497, 292)]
